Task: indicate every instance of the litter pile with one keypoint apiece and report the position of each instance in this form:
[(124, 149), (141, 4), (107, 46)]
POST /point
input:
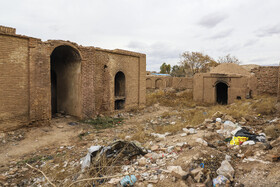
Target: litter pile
[(226, 143)]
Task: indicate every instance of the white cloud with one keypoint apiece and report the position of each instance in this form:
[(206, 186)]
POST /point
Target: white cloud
[(163, 29)]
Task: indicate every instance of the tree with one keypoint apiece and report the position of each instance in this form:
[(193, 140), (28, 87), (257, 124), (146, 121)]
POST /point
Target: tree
[(228, 59), (196, 62), (178, 71), (165, 68)]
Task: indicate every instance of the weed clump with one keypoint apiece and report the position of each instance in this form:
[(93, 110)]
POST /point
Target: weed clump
[(104, 122)]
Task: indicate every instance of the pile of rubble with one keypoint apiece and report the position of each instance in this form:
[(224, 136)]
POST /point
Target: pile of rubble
[(215, 153), (232, 140)]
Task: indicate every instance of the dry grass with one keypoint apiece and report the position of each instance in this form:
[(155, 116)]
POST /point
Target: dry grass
[(170, 99), (265, 105), (193, 114)]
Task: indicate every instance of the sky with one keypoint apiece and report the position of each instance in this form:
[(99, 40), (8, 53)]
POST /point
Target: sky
[(162, 29)]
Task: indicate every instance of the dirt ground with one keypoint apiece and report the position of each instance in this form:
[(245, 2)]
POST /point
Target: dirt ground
[(56, 149)]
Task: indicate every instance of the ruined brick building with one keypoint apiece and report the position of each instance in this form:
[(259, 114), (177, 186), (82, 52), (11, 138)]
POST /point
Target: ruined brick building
[(223, 84), (38, 79)]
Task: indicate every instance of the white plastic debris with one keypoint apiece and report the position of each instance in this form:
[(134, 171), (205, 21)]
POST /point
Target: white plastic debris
[(249, 142), (218, 120), (85, 161), (201, 141), (226, 170)]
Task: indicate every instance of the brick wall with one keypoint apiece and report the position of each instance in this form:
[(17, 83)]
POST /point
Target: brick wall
[(7, 30), (267, 79), (25, 81), (162, 82), (14, 78)]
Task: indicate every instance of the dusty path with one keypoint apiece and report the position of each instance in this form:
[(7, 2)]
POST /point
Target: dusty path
[(59, 133)]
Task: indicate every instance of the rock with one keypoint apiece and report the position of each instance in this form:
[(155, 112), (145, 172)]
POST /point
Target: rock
[(190, 181), (198, 177), (183, 134), (154, 148), (150, 185), (60, 126), (24, 169), (114, 181), (177, 149), (3, 178), (200, 185), (142, 161), (177, 171), (229, 118), (273, 158), (192, 131), (201, 141), (275, 143), (2, 135), (194, 172), (208, 181), (217, 114), (183, 184), (208, 121)]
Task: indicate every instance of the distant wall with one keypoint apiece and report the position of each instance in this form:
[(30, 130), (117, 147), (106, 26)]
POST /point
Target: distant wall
[(267, 79), (162, 82)]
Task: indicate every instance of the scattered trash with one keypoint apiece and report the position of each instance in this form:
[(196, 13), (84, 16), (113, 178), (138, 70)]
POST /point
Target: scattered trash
[(160, 136), (238, 140), (120, 149), (220, 180), (201, 141), (190, 131), (85, 161), (250, 142), (244, 133), (128, 181), (218, 120), (72, 123), (226, 170)]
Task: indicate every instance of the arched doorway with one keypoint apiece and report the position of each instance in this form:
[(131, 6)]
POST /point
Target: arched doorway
[(119, 90), (149, 83), (65, 80), (159, 84), (222, 93)]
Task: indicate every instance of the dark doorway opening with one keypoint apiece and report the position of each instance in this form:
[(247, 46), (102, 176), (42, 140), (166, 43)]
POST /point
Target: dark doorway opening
[(119, 90), (222, 93), (65, 80), (54, 92)]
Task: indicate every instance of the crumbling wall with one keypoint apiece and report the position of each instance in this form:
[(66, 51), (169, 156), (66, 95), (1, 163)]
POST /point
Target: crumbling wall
[(267, 79), (25, 81), (162, 82), (14, 79)]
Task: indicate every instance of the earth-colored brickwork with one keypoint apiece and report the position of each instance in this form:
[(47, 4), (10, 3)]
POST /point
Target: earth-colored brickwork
[(39, 79)]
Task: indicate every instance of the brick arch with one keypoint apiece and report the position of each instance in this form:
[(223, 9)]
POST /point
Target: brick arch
[(159, 84), (149, 83), (54, 44), (65, 73)]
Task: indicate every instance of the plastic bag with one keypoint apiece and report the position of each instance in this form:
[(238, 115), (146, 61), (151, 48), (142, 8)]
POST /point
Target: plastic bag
[(85, 161), (226, 170), (220, 180)]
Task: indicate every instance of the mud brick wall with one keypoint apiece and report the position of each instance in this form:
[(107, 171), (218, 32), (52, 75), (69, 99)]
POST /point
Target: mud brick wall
[(7, 30), (14, 97), (162, 82), (267, 79), (26, 81)]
